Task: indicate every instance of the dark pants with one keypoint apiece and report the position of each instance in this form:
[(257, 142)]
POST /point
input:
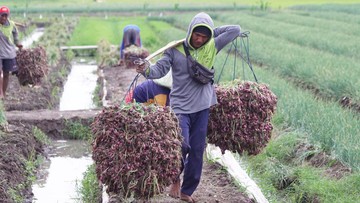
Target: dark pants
[(194, 129), (8, 65)]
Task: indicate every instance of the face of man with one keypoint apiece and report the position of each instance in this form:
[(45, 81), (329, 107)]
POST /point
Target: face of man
[(3, 18), (198, 39)]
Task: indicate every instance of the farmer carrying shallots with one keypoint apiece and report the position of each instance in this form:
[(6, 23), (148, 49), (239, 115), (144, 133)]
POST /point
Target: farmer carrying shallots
[(131, 36), (8, 43), (191, 96)]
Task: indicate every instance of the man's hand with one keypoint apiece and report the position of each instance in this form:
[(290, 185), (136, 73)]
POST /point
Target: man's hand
[(142, 65), (20, 46), (244, 34), (141, 68)]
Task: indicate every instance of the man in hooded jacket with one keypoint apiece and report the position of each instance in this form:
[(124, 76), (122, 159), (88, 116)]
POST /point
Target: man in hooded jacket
[(189, 99)]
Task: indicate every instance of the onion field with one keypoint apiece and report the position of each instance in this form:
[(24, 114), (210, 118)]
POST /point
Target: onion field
[(309, 58), (308, 55)]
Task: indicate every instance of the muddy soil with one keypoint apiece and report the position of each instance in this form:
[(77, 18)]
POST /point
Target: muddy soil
[(16, 146), (118, 80)]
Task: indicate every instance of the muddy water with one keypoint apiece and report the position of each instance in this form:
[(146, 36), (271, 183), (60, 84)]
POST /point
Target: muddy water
[(79, 88), (61, 174), (34, 36)]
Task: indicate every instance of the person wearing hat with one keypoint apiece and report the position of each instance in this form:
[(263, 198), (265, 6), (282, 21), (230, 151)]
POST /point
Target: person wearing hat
[(190, 99), (8, 43)]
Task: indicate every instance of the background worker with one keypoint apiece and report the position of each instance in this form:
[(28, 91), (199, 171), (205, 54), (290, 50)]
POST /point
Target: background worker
[(149, 92), (190, 100), (8, 43), (155, 91), (131, 36)]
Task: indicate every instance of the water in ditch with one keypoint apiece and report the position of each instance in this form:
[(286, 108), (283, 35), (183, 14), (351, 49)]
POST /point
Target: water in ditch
[(79, 88), (61, 173), (33, 37)]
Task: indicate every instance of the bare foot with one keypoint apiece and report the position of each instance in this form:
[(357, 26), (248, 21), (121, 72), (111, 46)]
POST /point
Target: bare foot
[(187, 198), (175, 189)]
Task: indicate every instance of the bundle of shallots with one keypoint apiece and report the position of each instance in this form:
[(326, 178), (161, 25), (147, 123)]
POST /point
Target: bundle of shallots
[(133, 53), (240, 122), (136, 149), (32, 64)]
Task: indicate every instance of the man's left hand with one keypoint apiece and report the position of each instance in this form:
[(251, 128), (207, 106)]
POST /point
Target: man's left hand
[(20, 46)]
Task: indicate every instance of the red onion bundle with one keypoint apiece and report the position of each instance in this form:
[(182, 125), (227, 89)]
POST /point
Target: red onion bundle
[(132, 53), (241, 121), (32, 64), (137, 149)]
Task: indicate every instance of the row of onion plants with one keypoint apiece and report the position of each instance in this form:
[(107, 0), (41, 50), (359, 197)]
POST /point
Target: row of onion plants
[(336, 41), (332, 76)]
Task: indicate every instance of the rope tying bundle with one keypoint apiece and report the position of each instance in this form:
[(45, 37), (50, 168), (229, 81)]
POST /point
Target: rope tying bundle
[(245, 59)]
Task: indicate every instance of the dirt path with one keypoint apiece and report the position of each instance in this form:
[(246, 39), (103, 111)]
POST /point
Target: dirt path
[(117, 81)]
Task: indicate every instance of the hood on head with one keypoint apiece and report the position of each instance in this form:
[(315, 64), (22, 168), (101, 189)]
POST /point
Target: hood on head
[(200, 19)]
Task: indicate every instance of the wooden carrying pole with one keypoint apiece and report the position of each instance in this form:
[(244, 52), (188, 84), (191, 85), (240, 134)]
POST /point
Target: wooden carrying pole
[(159, 51), (162, 49)]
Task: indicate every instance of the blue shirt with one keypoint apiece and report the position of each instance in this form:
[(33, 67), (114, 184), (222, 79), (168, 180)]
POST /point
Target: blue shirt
[(131, 36), (149, 92)]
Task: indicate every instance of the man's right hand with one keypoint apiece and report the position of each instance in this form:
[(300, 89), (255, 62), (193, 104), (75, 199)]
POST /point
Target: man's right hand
[(142, 65), (141, 68)]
